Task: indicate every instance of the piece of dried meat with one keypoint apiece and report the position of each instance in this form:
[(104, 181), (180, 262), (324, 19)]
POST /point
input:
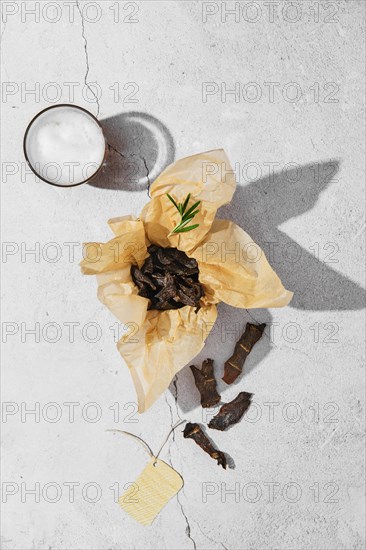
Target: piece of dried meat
[(194, 431), (231, 413), (169, 279), (234, 365), (206, 383)]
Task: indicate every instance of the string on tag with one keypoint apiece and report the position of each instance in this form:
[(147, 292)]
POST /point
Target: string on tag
[(169, 434), (143, 442)]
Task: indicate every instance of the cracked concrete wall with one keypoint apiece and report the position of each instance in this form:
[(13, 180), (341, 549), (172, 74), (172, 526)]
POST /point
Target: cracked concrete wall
[(281, 89)]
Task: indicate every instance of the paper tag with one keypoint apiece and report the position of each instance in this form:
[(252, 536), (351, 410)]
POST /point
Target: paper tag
[(151, 491)]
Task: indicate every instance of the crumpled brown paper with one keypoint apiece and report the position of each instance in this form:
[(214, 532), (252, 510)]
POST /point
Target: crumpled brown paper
[(232, 268)]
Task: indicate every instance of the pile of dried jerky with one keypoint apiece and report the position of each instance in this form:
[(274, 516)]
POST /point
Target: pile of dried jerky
[(169, 278), (229, 413)]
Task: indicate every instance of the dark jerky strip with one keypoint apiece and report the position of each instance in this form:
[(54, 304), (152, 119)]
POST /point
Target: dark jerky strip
[(206, 383), (169, 279), (231, 413), (194, 431), (234, 365), (141, 278)]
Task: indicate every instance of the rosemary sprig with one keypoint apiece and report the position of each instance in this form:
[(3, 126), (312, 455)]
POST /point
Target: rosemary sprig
[(186, 215)]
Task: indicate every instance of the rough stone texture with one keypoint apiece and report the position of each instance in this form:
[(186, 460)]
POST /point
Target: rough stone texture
[(311, 356)]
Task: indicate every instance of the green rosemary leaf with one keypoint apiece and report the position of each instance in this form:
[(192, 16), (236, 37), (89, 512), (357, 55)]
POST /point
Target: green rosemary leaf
[(184, 229), (186, 216), (190, 215), (173, 201), (192, 208), (183, 223), (186, 203)]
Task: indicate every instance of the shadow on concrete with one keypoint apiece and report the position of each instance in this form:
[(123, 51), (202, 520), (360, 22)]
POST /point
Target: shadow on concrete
[(139, 148), (260, 207)]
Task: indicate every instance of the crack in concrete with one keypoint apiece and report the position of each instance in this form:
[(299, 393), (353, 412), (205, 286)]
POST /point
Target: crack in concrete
[(175, 379), (4, 27), (110, 146), (147, 176), (86, 57), (188, 526), (209, 538), (171, 425), (116, 150), (175, 395)]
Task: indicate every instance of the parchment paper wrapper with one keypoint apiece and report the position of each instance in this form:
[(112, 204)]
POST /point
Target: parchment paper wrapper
[(233, 269)]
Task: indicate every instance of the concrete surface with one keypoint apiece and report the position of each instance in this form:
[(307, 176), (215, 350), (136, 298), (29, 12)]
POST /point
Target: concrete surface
[(294, 132)]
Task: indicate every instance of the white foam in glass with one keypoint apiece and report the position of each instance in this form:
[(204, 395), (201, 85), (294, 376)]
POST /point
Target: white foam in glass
[(65, 145)]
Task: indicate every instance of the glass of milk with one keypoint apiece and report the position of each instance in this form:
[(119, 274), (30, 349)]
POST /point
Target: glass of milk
[(64, 145)]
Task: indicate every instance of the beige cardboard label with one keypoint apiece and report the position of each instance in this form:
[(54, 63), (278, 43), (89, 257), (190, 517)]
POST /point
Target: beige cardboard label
[(151, 491)]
